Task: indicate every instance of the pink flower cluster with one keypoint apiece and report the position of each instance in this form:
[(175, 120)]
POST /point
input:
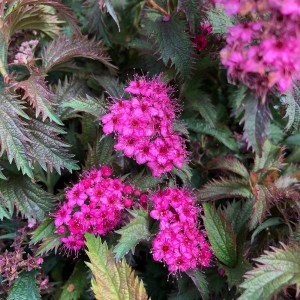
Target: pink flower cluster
[(95, 205), (263, 53), (179, 242), (144, 126), (25, 54)]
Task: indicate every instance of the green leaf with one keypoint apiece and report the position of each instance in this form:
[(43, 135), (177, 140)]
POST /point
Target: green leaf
[(64, 49), (271, 157), (4, 213), (133, 233), (145, 182), (39, 18), (201, 102), (49, 243), (235, 275), (200, 282), (44, 230), (222, 134), (48, 149), (171, 39), (13, 137), (221, 235), (77, 283), (260, 207), (29, 198), (25, 287), (219, 20), (191, 10), (65, 91), (61, 11), (39, 96), (256, 120), (89, 105), (110, 10), (111, 280), (225, 188), (275, 271), (184, 173), (100, 153), (292, 102), (230, 164), (111, 85), (266, 224), (238, 213)]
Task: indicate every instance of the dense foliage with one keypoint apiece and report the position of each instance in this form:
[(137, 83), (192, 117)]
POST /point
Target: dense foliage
[(149, 149)]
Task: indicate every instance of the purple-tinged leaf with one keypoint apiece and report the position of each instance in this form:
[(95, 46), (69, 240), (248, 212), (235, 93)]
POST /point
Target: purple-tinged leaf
[(64, 49)]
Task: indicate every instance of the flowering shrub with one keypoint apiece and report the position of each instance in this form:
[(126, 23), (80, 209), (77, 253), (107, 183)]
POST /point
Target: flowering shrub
[(149, 149)]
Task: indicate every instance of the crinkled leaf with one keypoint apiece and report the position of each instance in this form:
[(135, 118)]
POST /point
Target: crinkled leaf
[(48, 149), (219, 20), (61, 10), (39, 96), (25, 287), (224, 135), (111, 280), (39, 18), (230, 164), (221, 235), (256, 120), (64, 49), (13, 138), (89, 105), (29, 199), (171, 39), (276, 270), (77, 283), (225, 188), (133, 233)]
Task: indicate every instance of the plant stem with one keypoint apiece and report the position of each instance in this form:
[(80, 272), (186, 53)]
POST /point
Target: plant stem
[(159, 8)]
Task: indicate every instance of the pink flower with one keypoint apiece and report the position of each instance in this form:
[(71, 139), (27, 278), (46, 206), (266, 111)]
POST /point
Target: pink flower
[(144, 124), (95, 205), (179, 243), (263, 54)]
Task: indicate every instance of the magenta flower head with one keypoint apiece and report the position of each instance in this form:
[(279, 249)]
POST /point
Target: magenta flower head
[(263, 53), (95, 205), (179, 243), (144, 126)]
